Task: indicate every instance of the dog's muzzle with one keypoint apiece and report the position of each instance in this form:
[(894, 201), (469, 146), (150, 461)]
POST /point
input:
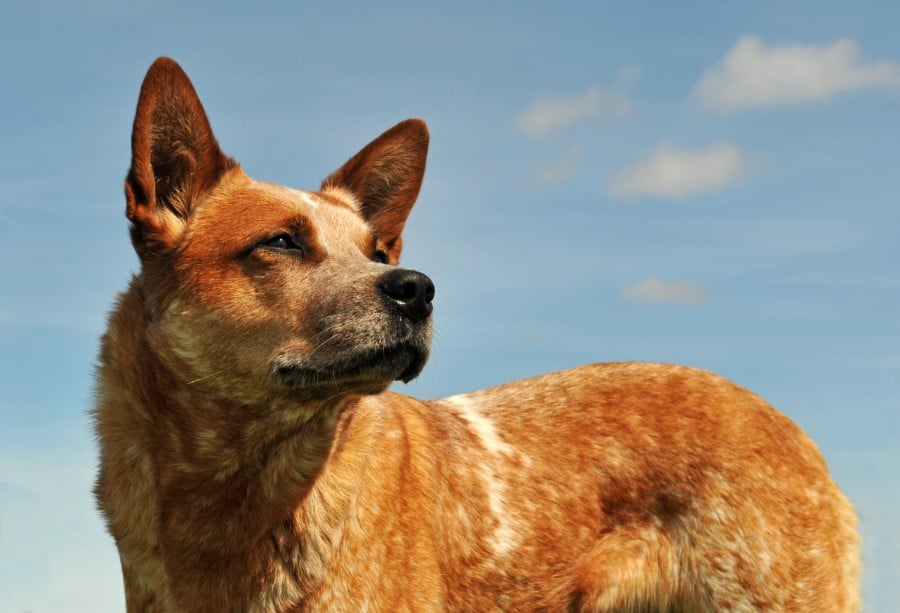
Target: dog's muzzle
[(399, 354)]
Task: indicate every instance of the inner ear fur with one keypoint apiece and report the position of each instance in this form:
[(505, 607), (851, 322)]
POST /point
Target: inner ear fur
[(175, 161), (385, 178)]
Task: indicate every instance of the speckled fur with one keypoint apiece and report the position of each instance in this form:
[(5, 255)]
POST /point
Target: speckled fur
[(611, 487)]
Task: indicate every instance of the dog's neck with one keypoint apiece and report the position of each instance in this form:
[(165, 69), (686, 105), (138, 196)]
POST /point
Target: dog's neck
[(241, 475)]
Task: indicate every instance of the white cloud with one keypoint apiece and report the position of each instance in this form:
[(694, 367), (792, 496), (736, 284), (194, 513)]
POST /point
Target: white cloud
[(553, 115), (682, 173), (755, 75), (652, 289), (559, 170)]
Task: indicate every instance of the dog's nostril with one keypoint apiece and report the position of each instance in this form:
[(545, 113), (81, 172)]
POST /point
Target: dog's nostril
[(411, 291)]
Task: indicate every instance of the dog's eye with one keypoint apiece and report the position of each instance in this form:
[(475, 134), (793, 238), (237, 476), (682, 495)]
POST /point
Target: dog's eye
[(380, 256), (282, 241)]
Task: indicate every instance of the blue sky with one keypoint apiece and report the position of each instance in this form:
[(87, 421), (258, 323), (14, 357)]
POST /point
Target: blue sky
[(710, 183)]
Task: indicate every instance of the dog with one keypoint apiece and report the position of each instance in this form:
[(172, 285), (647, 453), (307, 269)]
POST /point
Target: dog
[(251, 458)]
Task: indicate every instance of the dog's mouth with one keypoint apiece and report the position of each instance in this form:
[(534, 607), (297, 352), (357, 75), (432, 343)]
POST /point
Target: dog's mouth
[(378, 367)]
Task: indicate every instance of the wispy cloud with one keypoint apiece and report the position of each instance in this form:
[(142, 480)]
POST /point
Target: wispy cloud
[(753, 74), (652, 289), (553, 115), (681, 173), (559, 170)]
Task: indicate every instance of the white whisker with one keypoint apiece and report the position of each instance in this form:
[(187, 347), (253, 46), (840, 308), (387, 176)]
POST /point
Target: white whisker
[(206, 377)]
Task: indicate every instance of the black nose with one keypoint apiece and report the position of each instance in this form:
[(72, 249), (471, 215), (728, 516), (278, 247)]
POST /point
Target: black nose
[(411, 291)]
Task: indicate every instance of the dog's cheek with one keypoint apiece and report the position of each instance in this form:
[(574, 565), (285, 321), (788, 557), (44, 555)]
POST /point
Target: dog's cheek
[(215, 348)]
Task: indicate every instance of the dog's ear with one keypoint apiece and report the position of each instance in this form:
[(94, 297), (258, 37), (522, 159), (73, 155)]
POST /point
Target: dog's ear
[(175, 159), (385, 178)]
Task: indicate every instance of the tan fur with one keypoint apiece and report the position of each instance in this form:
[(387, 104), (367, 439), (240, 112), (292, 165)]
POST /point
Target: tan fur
[(252, 461)]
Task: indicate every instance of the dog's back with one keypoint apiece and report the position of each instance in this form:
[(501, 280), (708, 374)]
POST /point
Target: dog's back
[(251, 459)]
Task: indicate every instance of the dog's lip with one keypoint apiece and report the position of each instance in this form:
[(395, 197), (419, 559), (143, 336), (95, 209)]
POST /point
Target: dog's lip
[(415, 367), (402, 361)]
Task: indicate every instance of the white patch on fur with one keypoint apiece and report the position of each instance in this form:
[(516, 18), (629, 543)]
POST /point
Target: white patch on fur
[(481, 425), (307, 199), (505, 537)]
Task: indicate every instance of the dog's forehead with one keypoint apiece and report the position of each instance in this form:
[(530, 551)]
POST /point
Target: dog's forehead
[(334, 210), (303, 201)]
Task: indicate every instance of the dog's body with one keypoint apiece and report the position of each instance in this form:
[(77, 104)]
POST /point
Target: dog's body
[(252, 461)]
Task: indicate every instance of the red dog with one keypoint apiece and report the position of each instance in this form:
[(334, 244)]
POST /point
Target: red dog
[(251, 459)]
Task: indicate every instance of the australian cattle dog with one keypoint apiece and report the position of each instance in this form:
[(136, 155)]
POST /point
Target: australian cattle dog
[(252, 459)]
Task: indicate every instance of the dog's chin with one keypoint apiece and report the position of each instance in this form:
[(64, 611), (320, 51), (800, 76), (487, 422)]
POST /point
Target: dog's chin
[(365, 372)]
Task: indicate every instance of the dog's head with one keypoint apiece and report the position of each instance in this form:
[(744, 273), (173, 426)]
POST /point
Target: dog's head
[(250, 286)]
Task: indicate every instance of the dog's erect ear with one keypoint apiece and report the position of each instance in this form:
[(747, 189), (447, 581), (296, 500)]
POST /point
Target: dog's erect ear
[(385, 178), (175, 160)]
